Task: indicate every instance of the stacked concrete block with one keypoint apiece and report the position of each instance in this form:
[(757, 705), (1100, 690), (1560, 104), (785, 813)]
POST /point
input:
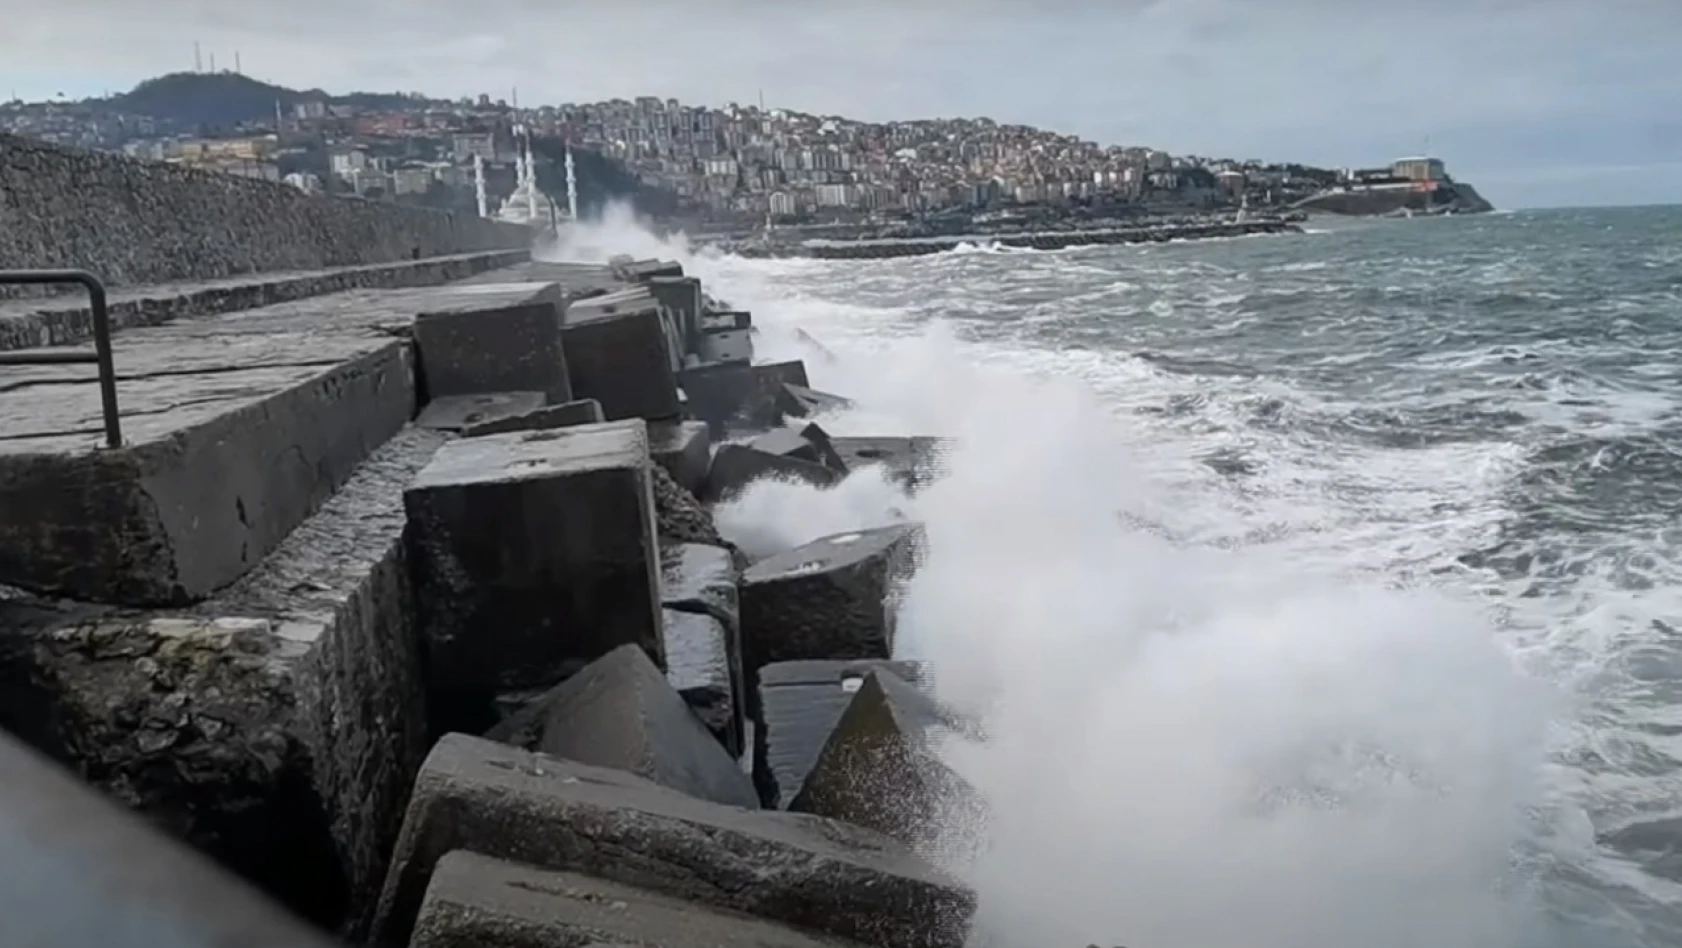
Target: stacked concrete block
[(561, 816), (628, 269), (480, 902), (828, 599), (807, 443), (579, 411), (914, 461), (880, 768), (703, 636), (740, 397), (681, 296), (456, 413), (534, 553), (725, 337), (620, 712), (799, 401), (798, 705), (621, 353), (684, 449), (497, 412), (735, 466), (493, 337)]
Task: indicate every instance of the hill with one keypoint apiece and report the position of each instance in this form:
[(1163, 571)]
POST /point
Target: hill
[(600, 180), (223, 100), (209, 103)]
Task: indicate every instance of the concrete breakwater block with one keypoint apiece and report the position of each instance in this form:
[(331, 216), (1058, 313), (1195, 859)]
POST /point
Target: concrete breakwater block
[(620, 712), (477, 902), (632, 270), (699, 659), (914, 461), (230, 442), (703, 636), (619, 353), (735, 466), (76, 869), (808, 443), (724, 346), (700, 577), (798, 706), (679, 516), (681, 296), (720, 320), (276, 727), (502, 802), (878, 769), (493, 337), (725, 336), (582, 411), (455, 413), (497, 412), (735, 396), (798, 401), (533, 553), (684, 449), (827, 599)]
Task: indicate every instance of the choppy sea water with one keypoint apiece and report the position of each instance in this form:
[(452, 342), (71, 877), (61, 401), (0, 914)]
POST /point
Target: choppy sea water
[(1319, 590)]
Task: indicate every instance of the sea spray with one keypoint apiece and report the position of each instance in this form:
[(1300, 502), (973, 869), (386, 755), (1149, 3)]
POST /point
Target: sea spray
[(1184, 747)]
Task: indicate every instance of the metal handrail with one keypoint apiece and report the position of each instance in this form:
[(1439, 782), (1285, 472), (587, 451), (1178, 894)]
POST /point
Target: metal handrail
[(101, 354)]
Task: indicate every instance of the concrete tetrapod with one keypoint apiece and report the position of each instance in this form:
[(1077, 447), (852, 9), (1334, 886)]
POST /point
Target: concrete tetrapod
[(804, 871)]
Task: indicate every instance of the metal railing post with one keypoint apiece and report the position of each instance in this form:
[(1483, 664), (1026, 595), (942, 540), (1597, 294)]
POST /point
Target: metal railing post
[(101, 356)]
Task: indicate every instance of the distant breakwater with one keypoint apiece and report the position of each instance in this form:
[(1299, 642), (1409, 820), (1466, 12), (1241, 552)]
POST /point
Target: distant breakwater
[(1050, 240)]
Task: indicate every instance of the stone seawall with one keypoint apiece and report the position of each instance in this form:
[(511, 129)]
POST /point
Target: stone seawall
[(885, 249), (408, 606), (136, 222)]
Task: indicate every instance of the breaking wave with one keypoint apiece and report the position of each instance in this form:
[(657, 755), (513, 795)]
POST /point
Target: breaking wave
[(1216, 715)]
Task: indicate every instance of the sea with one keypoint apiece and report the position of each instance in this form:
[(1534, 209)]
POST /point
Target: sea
[(1319, 590)]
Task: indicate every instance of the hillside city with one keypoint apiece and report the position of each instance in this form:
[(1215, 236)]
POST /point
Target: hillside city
[(735, 163)]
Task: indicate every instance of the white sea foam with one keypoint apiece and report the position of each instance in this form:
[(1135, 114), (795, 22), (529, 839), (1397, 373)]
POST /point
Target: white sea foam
[(1187, 746)]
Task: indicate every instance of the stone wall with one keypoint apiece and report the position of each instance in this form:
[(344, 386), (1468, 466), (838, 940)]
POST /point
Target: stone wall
[(138, 222)]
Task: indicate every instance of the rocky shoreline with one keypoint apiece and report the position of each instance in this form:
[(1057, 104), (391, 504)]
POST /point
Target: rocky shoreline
[(492, 678)]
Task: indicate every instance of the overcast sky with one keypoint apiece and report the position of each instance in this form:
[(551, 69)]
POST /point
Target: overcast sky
[(1538, 102)]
